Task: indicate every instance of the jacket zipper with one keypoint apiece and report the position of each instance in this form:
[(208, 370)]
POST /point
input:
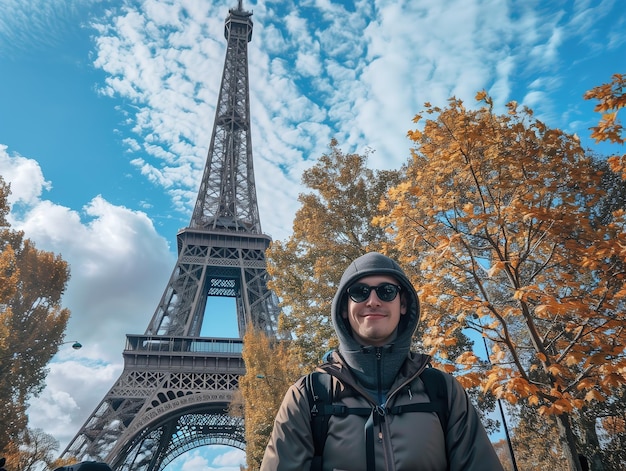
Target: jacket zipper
[(384, 437), (379, 382), (388, 458), (379, 374), (383, 426)]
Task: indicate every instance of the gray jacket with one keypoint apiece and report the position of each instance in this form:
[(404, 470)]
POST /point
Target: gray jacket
[(380, 376)]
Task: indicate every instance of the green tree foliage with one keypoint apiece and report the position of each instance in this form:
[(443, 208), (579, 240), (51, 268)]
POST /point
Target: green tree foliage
[(32, 321), (497, 213), (331, 228)]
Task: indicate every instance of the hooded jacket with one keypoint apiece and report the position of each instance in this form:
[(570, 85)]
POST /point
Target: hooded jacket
[(383, 377), (375, 368)]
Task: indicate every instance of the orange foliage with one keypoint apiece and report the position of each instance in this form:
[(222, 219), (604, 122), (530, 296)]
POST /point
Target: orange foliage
[(496, 213), (611, 98)]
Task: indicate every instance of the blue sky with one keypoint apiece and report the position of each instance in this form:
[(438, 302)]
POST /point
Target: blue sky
[(106, 111)]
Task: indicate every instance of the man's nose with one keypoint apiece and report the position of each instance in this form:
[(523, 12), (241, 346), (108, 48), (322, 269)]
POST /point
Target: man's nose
[(373, 298)]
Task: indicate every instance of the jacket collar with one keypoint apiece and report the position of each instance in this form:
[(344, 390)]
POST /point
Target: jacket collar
[(412, 365)]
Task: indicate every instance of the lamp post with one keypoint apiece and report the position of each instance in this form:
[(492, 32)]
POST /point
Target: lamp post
[(506, 428), (273, 383), (76, 345)]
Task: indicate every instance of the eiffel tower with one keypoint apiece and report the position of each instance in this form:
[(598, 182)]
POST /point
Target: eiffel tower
[(175, 388)]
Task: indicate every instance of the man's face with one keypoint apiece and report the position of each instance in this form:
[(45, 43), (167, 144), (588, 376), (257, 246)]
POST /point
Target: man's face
[(374, 321)]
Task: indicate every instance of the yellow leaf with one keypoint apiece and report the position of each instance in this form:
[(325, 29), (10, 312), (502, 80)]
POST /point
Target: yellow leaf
[(563, 405), (594, 394), (554, 369), (449, 368), (573, 359), (495, 268)]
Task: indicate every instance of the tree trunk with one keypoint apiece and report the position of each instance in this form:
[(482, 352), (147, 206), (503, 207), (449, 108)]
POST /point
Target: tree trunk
[(568, 442), (590, 441)]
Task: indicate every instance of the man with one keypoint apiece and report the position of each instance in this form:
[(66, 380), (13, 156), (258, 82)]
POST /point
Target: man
[(375, 313)]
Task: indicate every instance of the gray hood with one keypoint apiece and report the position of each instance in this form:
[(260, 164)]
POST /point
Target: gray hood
[(362, 360)]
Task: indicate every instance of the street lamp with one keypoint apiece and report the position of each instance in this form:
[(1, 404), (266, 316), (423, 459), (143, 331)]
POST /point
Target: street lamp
[(76, 345), (272, 381)]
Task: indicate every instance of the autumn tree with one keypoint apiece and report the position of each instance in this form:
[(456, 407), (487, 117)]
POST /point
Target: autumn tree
[(269, 373), (36, 448), (331, 228), (496, 212), (611, 98), (32, 321), (533, 440), (603, 415), (614, 431)]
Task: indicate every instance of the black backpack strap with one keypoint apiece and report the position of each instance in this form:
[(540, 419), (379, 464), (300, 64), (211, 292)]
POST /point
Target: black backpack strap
[(318, 389), (437, 391)]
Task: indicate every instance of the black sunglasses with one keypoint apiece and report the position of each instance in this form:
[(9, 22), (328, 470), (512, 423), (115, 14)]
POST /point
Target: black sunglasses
[(385, 291)]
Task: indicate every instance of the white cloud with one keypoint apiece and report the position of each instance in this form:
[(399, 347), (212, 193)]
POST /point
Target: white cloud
[(74, 389), (195, 463), (233, 457), (209, 458), (38, 24), (119, 265), (317, 71), (534, 98), (308, 64), (25, 175)]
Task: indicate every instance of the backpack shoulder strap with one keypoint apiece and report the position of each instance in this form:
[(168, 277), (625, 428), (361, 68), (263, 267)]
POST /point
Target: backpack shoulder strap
[(318, 387), (319, 391), (437, 391)]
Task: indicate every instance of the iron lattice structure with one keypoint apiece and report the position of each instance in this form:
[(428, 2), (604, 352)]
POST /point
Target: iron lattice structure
[(174, 391)]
